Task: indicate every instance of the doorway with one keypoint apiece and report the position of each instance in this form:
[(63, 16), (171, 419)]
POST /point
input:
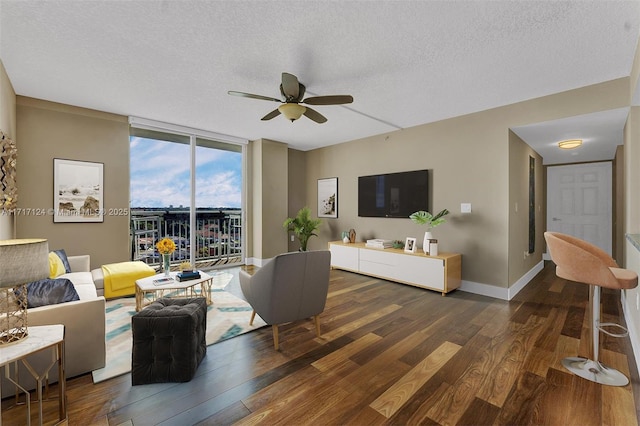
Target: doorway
[(579, 202)]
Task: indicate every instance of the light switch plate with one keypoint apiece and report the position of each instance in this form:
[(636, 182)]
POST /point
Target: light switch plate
[(465, 208)]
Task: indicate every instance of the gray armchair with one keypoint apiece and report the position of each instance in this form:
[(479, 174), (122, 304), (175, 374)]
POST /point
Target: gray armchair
[(288, 288)]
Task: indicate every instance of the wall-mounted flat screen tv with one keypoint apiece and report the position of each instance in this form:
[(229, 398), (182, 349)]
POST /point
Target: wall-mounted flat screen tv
[(393, 194)]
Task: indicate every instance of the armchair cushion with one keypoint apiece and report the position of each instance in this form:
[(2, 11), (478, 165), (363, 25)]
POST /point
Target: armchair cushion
[(288, 288)]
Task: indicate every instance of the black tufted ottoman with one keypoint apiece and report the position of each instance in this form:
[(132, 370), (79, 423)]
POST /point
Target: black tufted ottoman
[(168, 340)]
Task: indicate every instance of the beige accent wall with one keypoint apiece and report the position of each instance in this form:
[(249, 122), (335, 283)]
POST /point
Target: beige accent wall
[(269, 194), (48, 130), (470, 162), (297, 162), (519, 153), (8, 126)]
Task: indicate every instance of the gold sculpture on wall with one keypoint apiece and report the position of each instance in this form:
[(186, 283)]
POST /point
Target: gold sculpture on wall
[(8, 188)]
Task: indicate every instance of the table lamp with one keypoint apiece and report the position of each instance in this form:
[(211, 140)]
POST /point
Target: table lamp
[(21, 261)]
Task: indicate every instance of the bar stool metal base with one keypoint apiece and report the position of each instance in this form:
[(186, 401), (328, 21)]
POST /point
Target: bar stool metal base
[(595, 371)]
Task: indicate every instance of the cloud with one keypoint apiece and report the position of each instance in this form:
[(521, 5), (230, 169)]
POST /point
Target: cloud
[(160, 175)]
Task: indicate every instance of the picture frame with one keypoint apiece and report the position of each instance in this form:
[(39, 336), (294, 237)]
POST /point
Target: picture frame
[(328, 197), (410, 245), (78, 191)]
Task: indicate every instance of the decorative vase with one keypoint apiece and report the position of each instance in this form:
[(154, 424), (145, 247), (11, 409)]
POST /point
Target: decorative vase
[(426, 241), (166, 264)]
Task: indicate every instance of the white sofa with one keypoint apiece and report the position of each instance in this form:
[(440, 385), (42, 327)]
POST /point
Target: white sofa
[(84, 320)]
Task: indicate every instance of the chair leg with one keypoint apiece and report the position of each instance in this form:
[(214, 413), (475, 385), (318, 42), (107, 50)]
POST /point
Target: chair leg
[(253, 315), (592, 369), (274, 327), (316, 320)]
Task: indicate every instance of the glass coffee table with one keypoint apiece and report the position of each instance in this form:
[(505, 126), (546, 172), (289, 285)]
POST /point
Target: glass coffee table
[(151, 288)]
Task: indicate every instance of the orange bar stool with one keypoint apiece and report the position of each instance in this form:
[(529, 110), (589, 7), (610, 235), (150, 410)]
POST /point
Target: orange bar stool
[(578, 260)]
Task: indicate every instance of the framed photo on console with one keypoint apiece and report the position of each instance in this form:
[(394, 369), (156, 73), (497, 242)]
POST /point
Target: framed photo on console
[(328, 197), (78, 190), (410, 245)]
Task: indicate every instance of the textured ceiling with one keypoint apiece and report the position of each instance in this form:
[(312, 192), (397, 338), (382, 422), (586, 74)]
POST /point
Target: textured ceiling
[(405, 62)]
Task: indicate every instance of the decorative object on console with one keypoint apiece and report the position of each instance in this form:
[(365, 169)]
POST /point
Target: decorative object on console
[(8, 158), (303, 226), (433, 247), (345, 237), (21, 261), (328, 197), (422, 217), (352, 235), (166, 247), (410, 245)]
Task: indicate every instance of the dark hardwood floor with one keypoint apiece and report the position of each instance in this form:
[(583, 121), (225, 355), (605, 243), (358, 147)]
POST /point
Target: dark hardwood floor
[(389, 354)]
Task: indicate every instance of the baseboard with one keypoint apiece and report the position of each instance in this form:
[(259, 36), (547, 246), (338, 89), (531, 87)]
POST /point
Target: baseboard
[(256, 261), (501, 292)]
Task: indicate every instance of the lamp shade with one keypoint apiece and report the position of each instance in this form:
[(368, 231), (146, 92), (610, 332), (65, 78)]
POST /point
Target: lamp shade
[(292, 111), (23, 261)]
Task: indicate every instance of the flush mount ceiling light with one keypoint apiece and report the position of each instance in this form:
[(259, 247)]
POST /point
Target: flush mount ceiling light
[(570, 144), (292, 111)]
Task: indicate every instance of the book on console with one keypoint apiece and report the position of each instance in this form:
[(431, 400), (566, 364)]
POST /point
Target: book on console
[(379, 243)]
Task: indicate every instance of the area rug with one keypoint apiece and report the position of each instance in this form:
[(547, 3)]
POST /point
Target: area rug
[(227, 317)]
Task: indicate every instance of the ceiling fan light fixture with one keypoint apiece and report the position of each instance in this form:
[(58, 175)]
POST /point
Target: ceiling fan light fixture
[(292, 111), (570, 144)]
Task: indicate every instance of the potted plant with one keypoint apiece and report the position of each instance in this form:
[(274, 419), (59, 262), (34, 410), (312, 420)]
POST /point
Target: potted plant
[(422, 217), (303, 226)]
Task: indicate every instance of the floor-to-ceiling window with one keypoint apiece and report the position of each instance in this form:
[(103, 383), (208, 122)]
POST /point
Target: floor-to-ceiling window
[(185, 185)]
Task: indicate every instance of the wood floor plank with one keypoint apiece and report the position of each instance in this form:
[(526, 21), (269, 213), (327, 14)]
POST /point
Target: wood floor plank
[(397, 395), (618, 406), (521, 405), (506, 371), (331, 361), (345, 329)]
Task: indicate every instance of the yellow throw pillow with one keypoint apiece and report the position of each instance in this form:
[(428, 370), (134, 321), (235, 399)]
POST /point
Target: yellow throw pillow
[(56, 267)]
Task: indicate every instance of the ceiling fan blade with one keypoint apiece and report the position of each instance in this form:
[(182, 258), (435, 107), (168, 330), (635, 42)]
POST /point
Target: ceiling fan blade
[(290, 86), (315, 116), (252, 96), (329, 100), (272, 114)]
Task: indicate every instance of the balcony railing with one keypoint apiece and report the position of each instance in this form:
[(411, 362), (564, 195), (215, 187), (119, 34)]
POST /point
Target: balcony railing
[(218, 236)]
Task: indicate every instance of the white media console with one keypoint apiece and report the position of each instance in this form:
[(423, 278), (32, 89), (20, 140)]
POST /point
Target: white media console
[(441, 273)]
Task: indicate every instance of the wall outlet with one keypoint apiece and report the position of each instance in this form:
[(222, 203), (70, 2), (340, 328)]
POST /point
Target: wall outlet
[(292, 238), (638, 301), (526, 254)]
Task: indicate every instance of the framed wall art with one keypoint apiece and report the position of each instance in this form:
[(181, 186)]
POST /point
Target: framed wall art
[(410, 245), (328, 197), (78, 191)]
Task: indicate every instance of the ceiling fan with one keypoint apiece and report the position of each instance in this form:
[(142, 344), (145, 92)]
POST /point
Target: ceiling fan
[(293, 92)]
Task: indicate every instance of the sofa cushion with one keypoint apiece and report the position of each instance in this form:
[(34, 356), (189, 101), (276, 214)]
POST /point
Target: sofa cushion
[(65, 261), (83, 282), (56, 266), (50, 292)]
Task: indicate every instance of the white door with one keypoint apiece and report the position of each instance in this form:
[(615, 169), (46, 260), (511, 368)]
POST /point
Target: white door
[(579, 202)]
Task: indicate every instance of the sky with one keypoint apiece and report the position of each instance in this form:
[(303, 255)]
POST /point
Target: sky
[(160, 175)]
